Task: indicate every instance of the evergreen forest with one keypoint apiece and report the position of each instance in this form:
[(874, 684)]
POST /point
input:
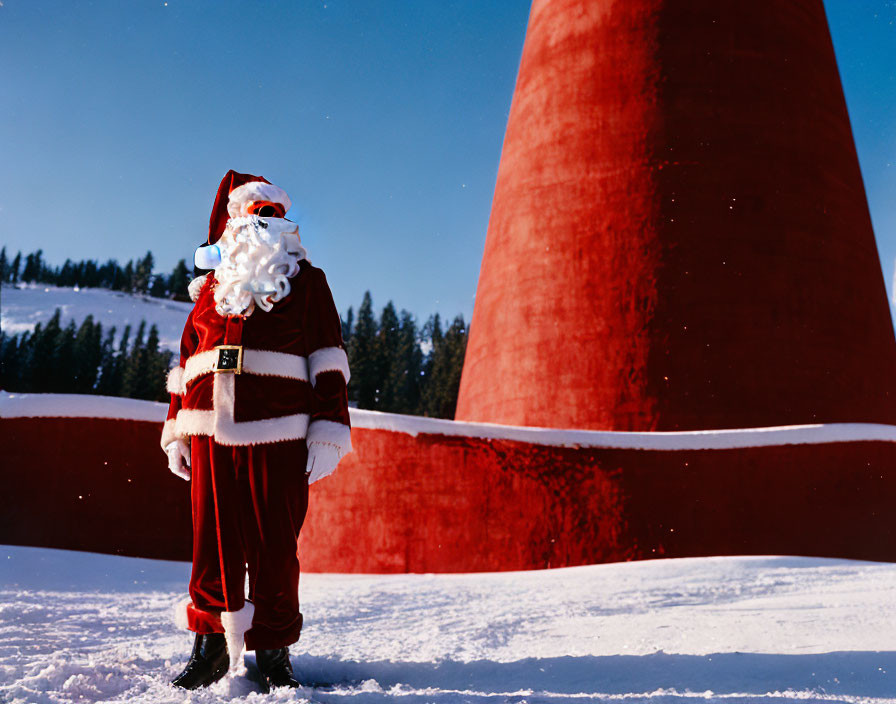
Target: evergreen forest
[(396, 365)]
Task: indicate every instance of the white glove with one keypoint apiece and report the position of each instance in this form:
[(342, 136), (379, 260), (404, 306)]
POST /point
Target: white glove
[(179, 458), (322, 460)]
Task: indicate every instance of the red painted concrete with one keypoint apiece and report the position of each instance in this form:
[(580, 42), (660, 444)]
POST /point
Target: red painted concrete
[(436, 503), (679, 237), (92, 484)]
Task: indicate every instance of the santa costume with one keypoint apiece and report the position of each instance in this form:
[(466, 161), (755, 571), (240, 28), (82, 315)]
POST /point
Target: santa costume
[(259, 409)]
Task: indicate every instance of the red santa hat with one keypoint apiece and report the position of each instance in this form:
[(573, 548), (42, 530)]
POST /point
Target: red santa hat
[(244, 194)]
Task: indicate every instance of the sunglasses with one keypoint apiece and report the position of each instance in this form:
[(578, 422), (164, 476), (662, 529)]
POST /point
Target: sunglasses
[(267, 209)]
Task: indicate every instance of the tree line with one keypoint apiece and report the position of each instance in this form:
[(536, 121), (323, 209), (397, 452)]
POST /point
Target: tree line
[(80, 359), (396, 365), (134, 277), (400, 368)]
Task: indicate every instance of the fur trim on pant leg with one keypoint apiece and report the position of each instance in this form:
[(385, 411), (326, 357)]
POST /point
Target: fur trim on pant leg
[(236, 623), (180, 614)]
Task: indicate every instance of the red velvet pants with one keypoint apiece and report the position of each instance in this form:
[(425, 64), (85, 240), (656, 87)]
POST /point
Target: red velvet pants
[(249, 503)]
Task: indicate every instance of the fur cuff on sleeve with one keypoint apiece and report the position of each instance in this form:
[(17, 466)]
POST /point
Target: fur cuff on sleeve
[(169, 435), (328, 359), (327, 432), (195, 286), (175, 382)]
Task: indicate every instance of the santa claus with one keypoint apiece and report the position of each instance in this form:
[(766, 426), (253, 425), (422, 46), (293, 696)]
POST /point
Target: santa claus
[(259, 410)]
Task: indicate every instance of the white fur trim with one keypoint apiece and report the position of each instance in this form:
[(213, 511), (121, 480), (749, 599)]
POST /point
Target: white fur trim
[(169, 432), (265, 363), (199, 364), (174, 384), (328, 359), (236, 623), (260, 362), (191, 421), (195, 286), (255, 191), (253, 432), (220, 424), (328, 432), (180, 614)]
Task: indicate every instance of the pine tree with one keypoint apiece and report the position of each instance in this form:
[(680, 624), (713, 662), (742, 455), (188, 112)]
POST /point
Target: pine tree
[(128, 277), (106, 385), (347, 324), (152, 385), (4, 266), (136, 365), (143, 273), (386, 356), (111, 276), (40, 375), (432, 331), (38, 264), (11, 362), (116, 381), (45, 273), (87, 356), (159, 286), (60, 375), (16, 265), (456, 347), (443, 368), (180, 279), (33, 266), (362, 387), (66, 274), (28, 273), (90, 274), (405, 374)]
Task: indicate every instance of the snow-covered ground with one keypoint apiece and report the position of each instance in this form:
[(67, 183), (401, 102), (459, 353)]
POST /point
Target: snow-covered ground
[(78, 627), (21, 308)]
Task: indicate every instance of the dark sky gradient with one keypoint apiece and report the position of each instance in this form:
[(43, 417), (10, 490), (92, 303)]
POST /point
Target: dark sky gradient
[(382, 119)]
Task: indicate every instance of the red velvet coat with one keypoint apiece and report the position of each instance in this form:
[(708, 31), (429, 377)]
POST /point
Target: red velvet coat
[(293, 375)]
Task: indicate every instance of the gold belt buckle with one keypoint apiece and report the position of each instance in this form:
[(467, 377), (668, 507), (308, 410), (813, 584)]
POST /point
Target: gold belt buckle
[(230, 359)]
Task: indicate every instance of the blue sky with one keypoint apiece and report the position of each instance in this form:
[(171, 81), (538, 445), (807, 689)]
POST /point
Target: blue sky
[(383, 120)]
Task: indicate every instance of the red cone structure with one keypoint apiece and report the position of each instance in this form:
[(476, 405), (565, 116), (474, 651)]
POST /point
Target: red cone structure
[(679, 237)]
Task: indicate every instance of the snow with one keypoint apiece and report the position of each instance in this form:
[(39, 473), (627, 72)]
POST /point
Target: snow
[(22, 307), (19, 405), (677, 440), (79, 627)]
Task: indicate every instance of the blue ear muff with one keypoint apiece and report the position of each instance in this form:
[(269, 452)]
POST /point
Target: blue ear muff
[(207, 257)]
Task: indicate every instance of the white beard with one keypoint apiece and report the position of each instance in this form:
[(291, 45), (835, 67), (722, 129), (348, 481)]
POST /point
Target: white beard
[(258, 257)]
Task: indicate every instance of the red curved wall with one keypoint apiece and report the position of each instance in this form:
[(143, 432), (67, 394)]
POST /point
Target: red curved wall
[(679, 237), (440, 503)]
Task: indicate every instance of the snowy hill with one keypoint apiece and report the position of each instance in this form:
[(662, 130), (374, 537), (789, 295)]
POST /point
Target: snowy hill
[(22, 308), (79, 627)]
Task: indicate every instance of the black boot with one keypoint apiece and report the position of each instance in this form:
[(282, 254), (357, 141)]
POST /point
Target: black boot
[(208, 663), (276, 668)]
